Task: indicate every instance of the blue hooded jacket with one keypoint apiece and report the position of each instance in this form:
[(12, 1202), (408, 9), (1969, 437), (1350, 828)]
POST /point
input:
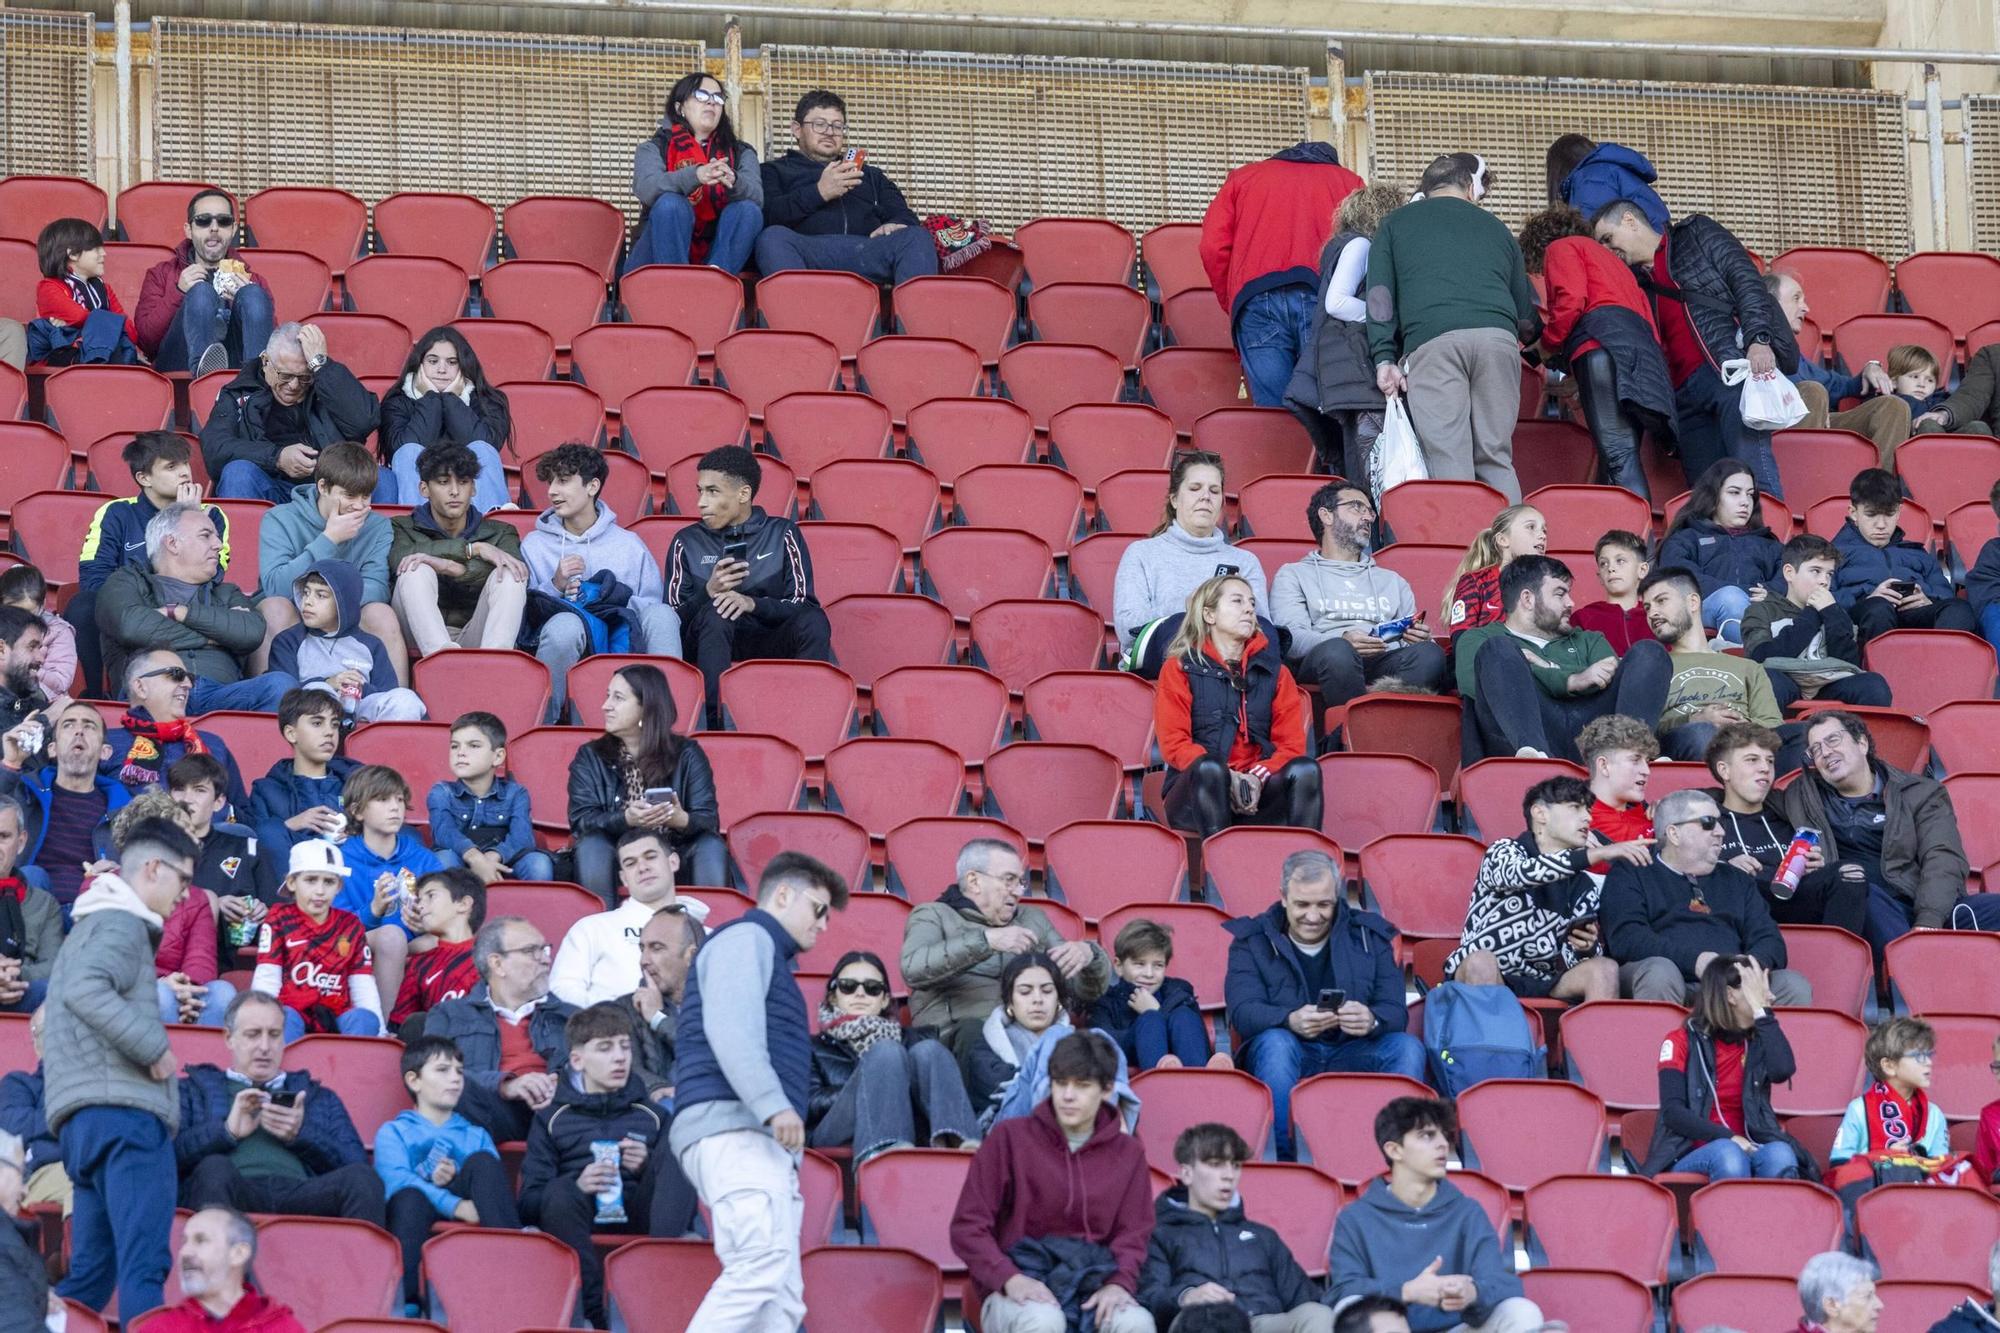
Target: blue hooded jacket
[(1265, 983), (281, 793), (402, 1145), (357, 895), (1613, 171), (1863, 567), (312, 655)]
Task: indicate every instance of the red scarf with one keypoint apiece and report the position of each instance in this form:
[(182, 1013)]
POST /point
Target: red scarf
[(708, 201), (12, 885), (1889, 1117), (144, 762)]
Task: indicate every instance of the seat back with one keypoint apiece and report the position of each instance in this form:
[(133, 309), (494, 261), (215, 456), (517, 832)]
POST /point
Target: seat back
[(901, 1290), (1569, 1138), (834, 839), (907, 1197), (417, 291), (1102, 865), (657, 1285), (454, 227), (330, 225), (809, 704), (1334, 1118), (1038, 786), (696, 300), (1111, 710), (1076, 250), (1763, 1227), (1920, 1234), (880, 781), (962, 707), (1170, 1100), (1379, 794), (155, 212), (1627, 1224), (875, 634), (840, 307), (975, 311), (1046, 377), (559, 297), (1614, 1046), (582, 231), (1439, 512), (501, 1278), (330, 1268), (553, 906)]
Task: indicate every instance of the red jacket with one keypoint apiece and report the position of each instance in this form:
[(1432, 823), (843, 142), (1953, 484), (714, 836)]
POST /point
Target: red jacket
[(1024, 1181), (160, 297), (1269, 222), (255, 1313), (54, 300), (1173, 707), (1582, 275), (188, 942), (1986, 1148)]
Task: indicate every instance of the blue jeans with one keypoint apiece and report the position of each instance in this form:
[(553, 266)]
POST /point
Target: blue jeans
[(1722, 611), (244, 480), (528, 865), (32, 999), (1278, 1059), (256, 694), (243, 325), (1269, 335), (1180, 1033), (1722, 1159), (123, 1153), (353, 1023), (1712, 429), (668, 236), (398, 484), (897, 257), (1989, 624), (214, 1004), (1888, 919)]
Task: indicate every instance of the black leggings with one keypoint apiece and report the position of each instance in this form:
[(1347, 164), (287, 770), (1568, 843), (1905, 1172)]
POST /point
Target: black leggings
[(1197, 797), (1616, 433)]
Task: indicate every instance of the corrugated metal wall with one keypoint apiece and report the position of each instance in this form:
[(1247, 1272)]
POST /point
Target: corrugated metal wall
[(45, 93)]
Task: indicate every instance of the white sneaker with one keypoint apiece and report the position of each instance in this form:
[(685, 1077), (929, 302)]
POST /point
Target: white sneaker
[(214, 358), (1529, 752)]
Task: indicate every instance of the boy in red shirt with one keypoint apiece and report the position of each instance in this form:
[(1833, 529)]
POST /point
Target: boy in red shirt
[(313, 957), (1621, 564), (450, 908), (1619, 752)]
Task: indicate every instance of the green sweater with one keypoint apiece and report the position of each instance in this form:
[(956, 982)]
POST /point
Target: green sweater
[(1440, 265), (1551, 665), (1718, 678)]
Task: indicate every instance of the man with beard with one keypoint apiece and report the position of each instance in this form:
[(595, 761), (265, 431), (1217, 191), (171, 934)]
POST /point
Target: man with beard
[(1533, 679), (1332, 602), (23, 641), (217, 1248), (156, 733), (1708, 691), (62, 803), (509, 1029), (666, 951), (203, 310)]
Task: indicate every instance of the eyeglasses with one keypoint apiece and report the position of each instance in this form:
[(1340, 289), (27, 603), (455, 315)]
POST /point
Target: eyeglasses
[(1359, 506), (212, 220), (874, 990), (178, 675), (543, 949), (1819, 749), (705, 96), (825, 126), (302, 379), (1011, 880), (185, 874), (1709, 823), (1921, 1057)]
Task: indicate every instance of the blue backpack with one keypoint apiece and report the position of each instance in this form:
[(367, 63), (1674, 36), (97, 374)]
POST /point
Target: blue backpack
[(1480, 1032)]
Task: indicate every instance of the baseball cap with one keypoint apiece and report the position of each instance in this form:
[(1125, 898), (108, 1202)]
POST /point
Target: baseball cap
[(317, 854)]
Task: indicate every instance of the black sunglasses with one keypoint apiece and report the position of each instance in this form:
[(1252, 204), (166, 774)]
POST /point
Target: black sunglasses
[(874, 990), (1709, 823), (178, 675), (212, 220)]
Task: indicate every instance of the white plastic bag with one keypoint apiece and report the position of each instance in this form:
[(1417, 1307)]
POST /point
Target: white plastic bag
[(1768, 402), (1397, 456)]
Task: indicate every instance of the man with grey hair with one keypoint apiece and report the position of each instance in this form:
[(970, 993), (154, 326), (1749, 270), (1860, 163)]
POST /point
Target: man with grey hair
[(1314, 986), (175, 602), (158, 696), (509, 1029), (955, 947), (1837, 1291), (269, 424), (218, 1247), (1971, 1316), (1665, 922)]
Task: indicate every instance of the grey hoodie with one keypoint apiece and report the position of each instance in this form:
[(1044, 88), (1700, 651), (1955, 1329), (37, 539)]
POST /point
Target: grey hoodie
[(1316, 599), (1380, 1242), (103, 1027), (604, 545), (1156, 575), (293, 536)]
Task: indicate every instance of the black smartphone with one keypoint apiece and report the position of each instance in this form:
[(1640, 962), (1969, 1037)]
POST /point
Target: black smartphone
[(1587, 920), (1902, 587), (289, 1097), (1330, 1000), (736, 550)]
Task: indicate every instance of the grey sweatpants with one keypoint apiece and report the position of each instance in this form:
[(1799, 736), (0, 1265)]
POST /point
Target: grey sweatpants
[(1465, 394)]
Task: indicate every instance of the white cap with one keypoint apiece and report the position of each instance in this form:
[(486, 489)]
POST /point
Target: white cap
[(317, 854)]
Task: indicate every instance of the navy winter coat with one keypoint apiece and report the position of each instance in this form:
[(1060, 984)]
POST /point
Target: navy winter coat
[(1265, 983), (1863, 567), (1721, 559)]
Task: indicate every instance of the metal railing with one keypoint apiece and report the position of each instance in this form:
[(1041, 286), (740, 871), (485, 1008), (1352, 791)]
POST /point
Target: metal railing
[(45, 92)]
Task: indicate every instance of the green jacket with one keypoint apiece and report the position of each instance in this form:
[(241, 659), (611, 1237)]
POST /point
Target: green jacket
[(1441, 265), (417, 533), (1706, 678), (221, 630), (954, 974), (103, 1028), (42, 923), (1551, 665)]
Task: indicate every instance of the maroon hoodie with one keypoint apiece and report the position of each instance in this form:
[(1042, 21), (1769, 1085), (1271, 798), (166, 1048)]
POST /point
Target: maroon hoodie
[(255, 1313), (1024, 1181), (160, 295)]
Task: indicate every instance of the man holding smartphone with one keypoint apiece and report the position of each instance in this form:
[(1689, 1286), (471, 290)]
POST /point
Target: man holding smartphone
[(599, 957)]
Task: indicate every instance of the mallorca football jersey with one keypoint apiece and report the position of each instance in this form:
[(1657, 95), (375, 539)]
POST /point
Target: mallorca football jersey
[(312, 962), (434, 976)]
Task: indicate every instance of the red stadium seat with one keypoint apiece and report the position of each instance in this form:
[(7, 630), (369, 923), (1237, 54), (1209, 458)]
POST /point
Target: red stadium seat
[(655, 1285), (363, 1070), (330, 1268), (589, 679), (904, 371), (1334, 1116), (702, 303), (1830, 1075), (1924, 1304), (999, 263), (1255, 442), (1431, 572), (907, 1198), (1825, 518), (1763, 1227), (923, 853), (561, 299), (155, 212), (553, 907), (879, 781), (1488, 794), (1839, 966), (1839, 282), (1275, 506), (894, 494), (901, 1290), (30, 203), (954, 435), (1423, 726), (1614, 1048), (1935, 468), (510, 349), (1201, 943), (1869, 338), (1172, 1099), (1093, 564), (1584, 511), (13, 393), (125, 268), (1093, 440), (330, 225), (1921, 1234), (104, 463), (1031, 497), (515, 688), (1969, 527), (490, 1281), (1729, 1301), (628, 486), (974, 311), (1368, 795), (1111, 316), (421, 751), (1960, 1074), (962, 707), (1194, 319), (1569, 1137), (809, 704), (809, 430), (382, 1325), (1172, 252), (1130, 501), (872, 635), (1422, 881), (35, 458), (762, 365), (668, 424), (417, 291), (372, 344), (1046, 377), (1966, 736), (870, 921), (1187, 383), (618, 360), (840, 307), (1960, 290), (539, 760), (17, 1051), (1615, 1302), (1112, 710), (1929, 668), (454, 227), (967, 568), (1103, 865), (1947, 972), (839, 842), (1243, 866), (1819, 463), (1551, 453), (1076, 250), (754, 775), (1901, 740), (254, 741), (849, 558), (301, 286), (19, 272), (777, 487), (1039, 786), (88, 403), (1440, 512), (1020, 639), (1626, 1224), (566, 227), (547, 413)]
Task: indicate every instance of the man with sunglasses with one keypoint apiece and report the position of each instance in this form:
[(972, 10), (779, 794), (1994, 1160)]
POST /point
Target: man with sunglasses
[(508, 1028), (203, 310), (264, 434), (157, 733), (825, 208), (1666, 921)]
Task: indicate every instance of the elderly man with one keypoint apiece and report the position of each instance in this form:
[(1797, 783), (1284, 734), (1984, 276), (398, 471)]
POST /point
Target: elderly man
[(157, 732), (1314, 987), (667, 943), (825, 208), (192, 313), (266, 1139), (1838, 1293), (1881, 416), (31, 922), (1899, 827), (174, 601), (65, 800), (1667, 920), (270, 423), (217, 1249), (955, 947), (509, 1029)]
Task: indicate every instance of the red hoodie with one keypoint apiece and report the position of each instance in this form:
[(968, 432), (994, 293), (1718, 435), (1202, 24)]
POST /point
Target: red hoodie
[(1271, 219), (1582, 275), (255, 1313), (1024, 1181)]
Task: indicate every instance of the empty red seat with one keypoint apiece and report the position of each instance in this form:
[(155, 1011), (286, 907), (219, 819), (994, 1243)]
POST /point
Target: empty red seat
[(301, 285), (1256, 442), (1112, 710), (967, 568), (901, 1290), (1730, 1301), (962, 707), (849, 558), (666, 425), (1960, 290), (510, 349), (904, 371), (618, 360), (761, 365), (870, 921), (1298, 1203), (1948, 972), (1838, 964), (1430, 570), (810, 430), (546, 413), (1039, 786), (1819, 463), (880, 781), (454, 227), (1763, 1227), (421, 751), (1031, 497), (1187, 383), (754, 775), (1960, 1079), (1172, 252), (87, 403), (371, 345), (1626, 1224), (907, 1199), (1869, 338), (1931, 1235), (330, 1268), (1614, 1047), (657, 1284), (702, 303), (1924, 1304), (840, 307), (627, 486), (36, 458), (1935, 468), (330, 225), (1929, 668), (566, 227), (1076, 250), (13, 393), (1423, 726), (1335, 1119), (1832, 1076), (551, 907), (512, 685), (1839, 282), (894, 494), (1275, 506), (1194, 319), (1020, 639), (1569, 1137), (1103, 865), (561, 299), (155, 212), (923, 853), (975, 311), (838, 841), (417, 291), (125, 268), (1093, 440), (810, 704), (539, 760), (1368, 795), (490, 1281), (1173, 1099), (875, 634), (1046, 377), (1244, 865), (954, 435), (1111, 316)]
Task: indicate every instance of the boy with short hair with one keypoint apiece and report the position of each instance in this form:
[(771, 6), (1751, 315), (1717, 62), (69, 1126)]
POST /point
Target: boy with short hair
[(1756, 834), (300, 797), (1413, 1236), (313, 957), (243, 883), (450, 907), (741, 579), (332, 517), (437, 1166), (1894, 1117), (1618, 752), (1916, 378), (1621, 565), (579, 555), (1886, 581), (1154, 1017), (329, 651), (24, 589), (1805, 639), (482, 819), (1204, 1249), (384, 858), (569, 1188), (460, 580)]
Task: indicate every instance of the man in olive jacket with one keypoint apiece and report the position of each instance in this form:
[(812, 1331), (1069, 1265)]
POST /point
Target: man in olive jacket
[(459, 575), (108, 1079), (955, 947), (1898, 827)]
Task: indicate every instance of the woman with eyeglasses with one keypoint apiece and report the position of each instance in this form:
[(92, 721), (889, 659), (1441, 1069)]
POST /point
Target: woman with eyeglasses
[(443, 397), (1716, 1072), (701, 194), (639, 774), (1156, 575), (876, 1084)]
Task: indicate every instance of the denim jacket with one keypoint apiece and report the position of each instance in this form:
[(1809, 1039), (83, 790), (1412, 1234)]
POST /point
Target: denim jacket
[(497, 822)]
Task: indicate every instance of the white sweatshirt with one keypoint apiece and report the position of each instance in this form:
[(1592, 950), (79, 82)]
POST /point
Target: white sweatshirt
[(599, 957)]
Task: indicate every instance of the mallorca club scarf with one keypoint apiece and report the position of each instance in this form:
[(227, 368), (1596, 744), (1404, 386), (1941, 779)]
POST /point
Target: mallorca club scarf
[(708, 201), (143, 761), (1891, 1118)]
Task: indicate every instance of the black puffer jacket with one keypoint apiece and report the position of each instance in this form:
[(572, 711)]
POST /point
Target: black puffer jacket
[(1711, 273), (1335, 372), (442, 418), (597, 795), (559, 1141), (1247, 1257), (337, 407), (792, 199)]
